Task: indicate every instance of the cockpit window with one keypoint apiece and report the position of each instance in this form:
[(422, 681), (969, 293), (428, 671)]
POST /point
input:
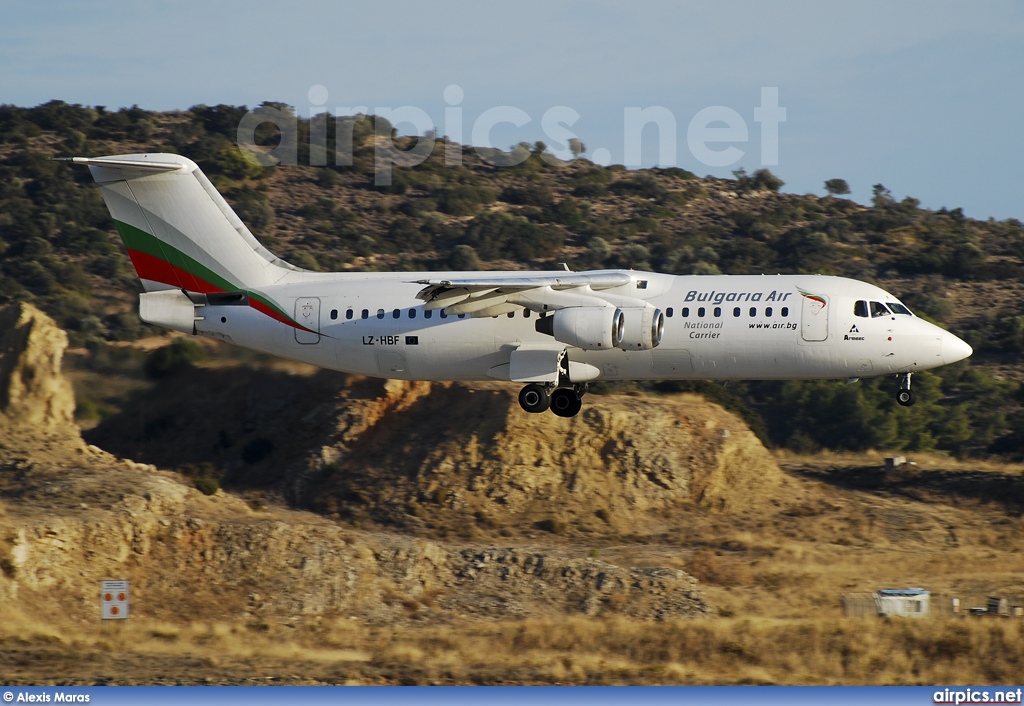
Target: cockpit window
[(878, 309), (898, 308), (860, 308)]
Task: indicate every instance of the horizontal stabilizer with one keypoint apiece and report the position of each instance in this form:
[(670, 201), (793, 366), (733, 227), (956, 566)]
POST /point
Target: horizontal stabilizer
[(132, 163)]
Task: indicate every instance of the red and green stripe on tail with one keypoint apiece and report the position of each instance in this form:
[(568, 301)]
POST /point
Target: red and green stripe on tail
[(157, 261)]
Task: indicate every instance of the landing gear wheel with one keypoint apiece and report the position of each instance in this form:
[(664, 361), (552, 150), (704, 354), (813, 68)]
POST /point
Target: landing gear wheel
[(565, 402), (906, 397), (534, 398)]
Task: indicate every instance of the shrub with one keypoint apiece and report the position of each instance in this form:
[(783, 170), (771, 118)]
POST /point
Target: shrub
[(501, 235), (644, 185), (207, 485), (761, 180), (252, 208), (528, 195), (463, 200), (169, 360), (463, 258), (553, 525)]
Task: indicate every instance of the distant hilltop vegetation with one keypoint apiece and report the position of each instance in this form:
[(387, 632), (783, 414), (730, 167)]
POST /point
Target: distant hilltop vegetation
[(59, 250)]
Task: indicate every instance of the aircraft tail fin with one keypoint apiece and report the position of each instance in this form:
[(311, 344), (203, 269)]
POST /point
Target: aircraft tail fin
[(179, 231)]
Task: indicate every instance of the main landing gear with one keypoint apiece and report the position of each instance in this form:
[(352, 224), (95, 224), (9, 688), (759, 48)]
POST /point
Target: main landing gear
[(905, 397), (562, 401)]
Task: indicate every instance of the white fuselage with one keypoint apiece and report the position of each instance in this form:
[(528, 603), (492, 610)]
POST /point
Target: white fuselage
[(716, 327)]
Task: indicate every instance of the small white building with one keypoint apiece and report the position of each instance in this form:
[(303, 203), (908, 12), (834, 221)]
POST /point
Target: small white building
[(905, 602)]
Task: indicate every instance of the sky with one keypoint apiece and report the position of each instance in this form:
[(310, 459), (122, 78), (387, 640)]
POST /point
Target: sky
[(923, 96)]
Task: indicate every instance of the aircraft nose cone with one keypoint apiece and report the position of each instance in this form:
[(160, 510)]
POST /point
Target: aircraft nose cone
[(954, 349)]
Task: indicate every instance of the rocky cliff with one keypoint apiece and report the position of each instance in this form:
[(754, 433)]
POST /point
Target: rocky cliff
[(34, 397)]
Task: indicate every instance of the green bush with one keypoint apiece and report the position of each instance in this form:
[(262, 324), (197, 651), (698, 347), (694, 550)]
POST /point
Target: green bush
[(643, 185), (169, 360), (527, 195), (497, 235), (463, 258), (552, 525), (252, 207), (761, 180), (463, 199), (207, 485)]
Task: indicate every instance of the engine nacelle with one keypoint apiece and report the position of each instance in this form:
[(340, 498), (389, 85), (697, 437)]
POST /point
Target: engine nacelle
[(592, 328), (643, 330)]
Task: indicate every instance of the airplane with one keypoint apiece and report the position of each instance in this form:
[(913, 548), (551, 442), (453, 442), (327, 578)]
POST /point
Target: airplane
[(554, 332)]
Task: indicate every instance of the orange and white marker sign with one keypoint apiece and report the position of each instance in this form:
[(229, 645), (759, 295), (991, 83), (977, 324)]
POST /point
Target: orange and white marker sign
[(113, 600)]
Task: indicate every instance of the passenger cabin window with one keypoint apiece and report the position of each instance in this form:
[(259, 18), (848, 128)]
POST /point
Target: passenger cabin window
[(412, 313), (427, 313), (898, 308), (334, 314), (396, 313), (768, 311), (380, 313), (668, 312), (878, 309), (736, 312), (365, 314), (718, 311), (753, 311), (860, 308), (685, 313), (785, 311), (444, 314), (349, 313), (701, 312)]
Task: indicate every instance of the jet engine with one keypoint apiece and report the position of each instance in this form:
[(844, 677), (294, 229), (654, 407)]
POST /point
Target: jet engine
[(592, 328), (643, 328)]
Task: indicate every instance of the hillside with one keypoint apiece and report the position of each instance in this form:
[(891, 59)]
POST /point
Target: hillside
[(60, 251)]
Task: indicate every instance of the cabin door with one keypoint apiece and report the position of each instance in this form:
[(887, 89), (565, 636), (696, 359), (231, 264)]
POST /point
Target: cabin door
[(307, 315), (814, 317)]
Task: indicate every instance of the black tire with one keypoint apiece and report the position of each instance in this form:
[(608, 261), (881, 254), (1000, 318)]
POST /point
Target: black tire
[(565, 403), (906, 397), (534, 398)]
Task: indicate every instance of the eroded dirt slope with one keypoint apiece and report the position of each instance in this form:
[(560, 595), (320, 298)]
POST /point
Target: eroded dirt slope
[(442, 455)]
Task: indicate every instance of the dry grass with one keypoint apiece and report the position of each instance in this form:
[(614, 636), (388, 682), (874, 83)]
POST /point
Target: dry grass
[(924, 460), (576, 650)]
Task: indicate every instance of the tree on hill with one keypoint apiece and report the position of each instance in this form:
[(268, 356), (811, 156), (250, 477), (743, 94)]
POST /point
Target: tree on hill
[(837, 187), (577, 147), (880, 196), (761, 180)]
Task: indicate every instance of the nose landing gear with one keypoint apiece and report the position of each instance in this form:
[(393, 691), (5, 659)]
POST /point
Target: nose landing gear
[(905, 397)]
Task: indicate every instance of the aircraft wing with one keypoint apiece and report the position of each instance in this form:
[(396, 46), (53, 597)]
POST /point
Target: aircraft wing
[(480, 295), (513, 283)]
